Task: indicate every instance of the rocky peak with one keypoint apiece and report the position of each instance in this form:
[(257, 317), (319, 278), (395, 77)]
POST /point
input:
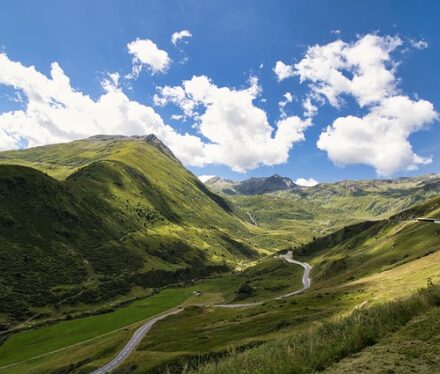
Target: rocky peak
[(254, 186)]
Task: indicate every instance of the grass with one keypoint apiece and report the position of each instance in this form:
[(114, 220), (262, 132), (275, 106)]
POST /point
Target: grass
[(71, 210), (295, 217), (310, 351), (31, 343), (414, 348), (127, 200), (359, 266), (108, 331), (372, 274)]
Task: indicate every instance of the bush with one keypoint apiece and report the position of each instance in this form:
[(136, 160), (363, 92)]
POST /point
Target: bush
[(244, 291)]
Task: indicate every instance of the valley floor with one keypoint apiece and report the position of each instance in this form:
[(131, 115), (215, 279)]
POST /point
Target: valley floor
[(203, 332), (96, 339)]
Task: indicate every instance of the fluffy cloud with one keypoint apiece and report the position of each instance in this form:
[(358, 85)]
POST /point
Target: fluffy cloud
[(55, 112), (380, 138), (283, 71), (310, 109), (235, 132), (239, 133), (146, 53), (362, 69), (418, 44), (288, 98), (179, 35), (306, 182), (365, 70)]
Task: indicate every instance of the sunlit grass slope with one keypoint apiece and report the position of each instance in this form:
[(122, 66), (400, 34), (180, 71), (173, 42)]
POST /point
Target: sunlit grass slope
[(295, 216), (321, 346), (358, 267), (370, 274), (86, 221), (90, 341)]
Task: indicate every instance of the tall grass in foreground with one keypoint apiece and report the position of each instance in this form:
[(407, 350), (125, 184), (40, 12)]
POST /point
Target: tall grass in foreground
[(322, 346)]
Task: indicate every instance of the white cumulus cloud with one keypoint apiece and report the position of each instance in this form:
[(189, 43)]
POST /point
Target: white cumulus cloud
[(180, 35), (310, 109), (233, 131), (306, 182), (419, 44), (283, 71), (366, 70), (363, 69), (55, 112), (380, 138), (288, 98), (238, 132), (147, 54)]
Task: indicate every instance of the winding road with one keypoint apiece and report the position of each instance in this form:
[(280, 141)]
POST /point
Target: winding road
[(143, 330), (134, 342), (306, 280)]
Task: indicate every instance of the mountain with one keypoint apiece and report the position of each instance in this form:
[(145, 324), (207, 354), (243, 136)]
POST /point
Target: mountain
[(116, 216), (252, 186), (297, 214), (87, 221), (366, 295)]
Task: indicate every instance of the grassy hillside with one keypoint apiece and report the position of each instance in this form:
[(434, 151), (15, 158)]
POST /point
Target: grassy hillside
[(318, 348), (89, 341), (110, 219), (202, 334), (296, 216), (357, 267), (84, 222), (413, 348), (375, 246)]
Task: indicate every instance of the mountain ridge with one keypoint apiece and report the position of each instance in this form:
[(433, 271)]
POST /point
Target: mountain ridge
[(251, 186), (100, 217)]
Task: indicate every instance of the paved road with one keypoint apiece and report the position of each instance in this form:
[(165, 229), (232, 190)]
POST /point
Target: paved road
[(133, 343), (306, 280), (143, 330)]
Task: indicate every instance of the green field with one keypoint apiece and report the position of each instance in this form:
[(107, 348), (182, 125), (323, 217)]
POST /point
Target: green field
[(31, 343), (110, 328), (294, 217)]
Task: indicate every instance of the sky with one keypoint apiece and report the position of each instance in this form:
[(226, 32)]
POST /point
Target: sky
[(317, 91)]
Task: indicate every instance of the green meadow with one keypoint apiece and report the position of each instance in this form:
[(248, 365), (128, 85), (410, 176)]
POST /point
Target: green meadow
[(35, 342)]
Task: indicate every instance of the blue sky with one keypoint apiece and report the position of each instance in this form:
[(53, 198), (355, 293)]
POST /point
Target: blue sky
[(235, 45)]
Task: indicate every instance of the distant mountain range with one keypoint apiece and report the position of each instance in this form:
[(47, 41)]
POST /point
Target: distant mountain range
[(299, 213), (274, 183), (252, 186)]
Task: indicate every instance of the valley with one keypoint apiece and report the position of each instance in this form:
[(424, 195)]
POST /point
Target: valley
[(294, 215), (121, 233)]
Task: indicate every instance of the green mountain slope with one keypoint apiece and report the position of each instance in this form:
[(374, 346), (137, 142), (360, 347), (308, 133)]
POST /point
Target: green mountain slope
[(357, 268), (87, 221), (374, 246), (353, 269), (356, 272), (297, 214)]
